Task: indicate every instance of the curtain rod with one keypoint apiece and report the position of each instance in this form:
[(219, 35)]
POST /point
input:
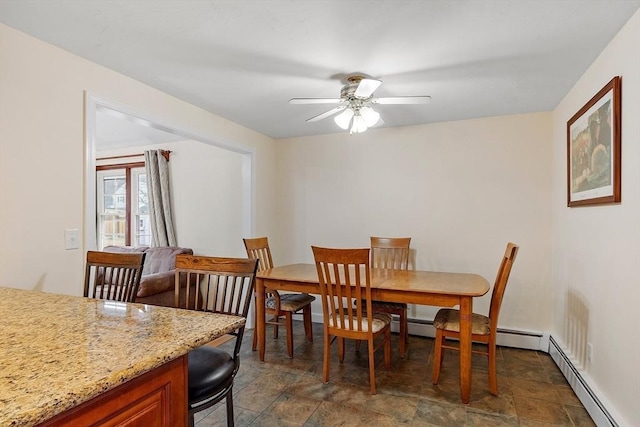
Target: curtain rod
[(165, 154)]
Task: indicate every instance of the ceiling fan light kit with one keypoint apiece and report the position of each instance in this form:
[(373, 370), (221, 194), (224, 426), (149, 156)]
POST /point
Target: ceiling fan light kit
[(354, 104), (360, 118)]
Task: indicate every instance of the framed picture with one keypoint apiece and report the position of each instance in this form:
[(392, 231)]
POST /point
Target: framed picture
[(593, 149)]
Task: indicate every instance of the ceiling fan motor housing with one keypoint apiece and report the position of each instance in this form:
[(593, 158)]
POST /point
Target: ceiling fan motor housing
[(348, 90)]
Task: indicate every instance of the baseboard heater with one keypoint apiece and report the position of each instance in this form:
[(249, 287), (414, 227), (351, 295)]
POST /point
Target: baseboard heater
[(596, 409), (506, 337)]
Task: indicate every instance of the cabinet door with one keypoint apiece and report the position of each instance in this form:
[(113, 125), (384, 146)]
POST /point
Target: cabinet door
[(157, 398)]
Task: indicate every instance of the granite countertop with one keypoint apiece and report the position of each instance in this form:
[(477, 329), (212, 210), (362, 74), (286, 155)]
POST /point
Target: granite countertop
[(57, 351)]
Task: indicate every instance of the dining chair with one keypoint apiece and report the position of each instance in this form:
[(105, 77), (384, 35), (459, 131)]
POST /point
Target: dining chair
[(113, 276), (483, 328), (226, 287), (344, 277), (392, 253), (280, 305)]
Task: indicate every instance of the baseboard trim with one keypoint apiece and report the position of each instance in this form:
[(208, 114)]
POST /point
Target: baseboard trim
[(594, 406)]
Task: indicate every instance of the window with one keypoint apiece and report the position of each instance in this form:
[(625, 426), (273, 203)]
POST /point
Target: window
[(122, 205), (140, 210)]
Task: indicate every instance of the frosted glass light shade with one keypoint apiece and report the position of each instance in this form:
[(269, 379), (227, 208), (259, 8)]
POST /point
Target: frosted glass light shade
[(359, 124), (370, 116), (343, 119)]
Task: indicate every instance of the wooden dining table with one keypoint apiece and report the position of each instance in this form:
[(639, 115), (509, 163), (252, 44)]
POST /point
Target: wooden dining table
[(407, 286)]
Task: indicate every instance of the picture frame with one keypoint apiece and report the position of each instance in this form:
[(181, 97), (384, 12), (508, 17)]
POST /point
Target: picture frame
[(593, 149)]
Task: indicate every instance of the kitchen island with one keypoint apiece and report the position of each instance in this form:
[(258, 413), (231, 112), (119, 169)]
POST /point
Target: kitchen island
[(65, 358)]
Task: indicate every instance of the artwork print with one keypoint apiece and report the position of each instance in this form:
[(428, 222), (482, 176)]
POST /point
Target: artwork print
[(593, 139)]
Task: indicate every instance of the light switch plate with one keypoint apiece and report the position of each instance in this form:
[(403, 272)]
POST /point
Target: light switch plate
[(71, 238)]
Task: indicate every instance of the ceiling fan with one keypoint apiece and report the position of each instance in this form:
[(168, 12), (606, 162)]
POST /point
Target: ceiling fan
[(355, 104)]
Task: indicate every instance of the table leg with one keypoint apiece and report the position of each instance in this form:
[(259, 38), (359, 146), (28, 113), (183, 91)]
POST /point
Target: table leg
[(466, 307), (260, 319)]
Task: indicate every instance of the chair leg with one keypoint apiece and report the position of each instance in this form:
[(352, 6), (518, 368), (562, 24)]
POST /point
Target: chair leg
[(372, 366), (276, 319), (230, 420), (308, 327), (387, 349), (493, 379), (403, 333), (191, 420), (437, 355), (255, 339), (358, 343), (326, 358), (255, 326), (341, 349), (289, 323)]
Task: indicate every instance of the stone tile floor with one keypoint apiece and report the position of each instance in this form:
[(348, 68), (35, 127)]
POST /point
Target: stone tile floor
[(290, 392)]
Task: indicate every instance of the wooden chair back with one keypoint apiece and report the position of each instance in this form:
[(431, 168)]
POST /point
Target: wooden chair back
[(225, 284), (258, 248), (501, 283), (113, 276), (391, 253), (344, 277)]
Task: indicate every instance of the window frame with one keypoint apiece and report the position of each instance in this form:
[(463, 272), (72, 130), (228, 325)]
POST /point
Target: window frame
[(127, 167)]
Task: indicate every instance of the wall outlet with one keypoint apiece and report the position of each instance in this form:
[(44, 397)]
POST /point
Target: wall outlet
[(589, 352), (71, 238)]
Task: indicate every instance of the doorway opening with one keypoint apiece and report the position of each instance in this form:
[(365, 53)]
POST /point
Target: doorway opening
[(220, 170)]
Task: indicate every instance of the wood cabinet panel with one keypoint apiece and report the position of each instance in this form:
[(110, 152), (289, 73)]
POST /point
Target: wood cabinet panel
[(157, 398)]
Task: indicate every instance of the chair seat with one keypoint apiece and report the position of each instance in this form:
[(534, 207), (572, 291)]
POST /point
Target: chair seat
[(449, 320), (290, 302), (389, 305), (210, 370), (380, 321)]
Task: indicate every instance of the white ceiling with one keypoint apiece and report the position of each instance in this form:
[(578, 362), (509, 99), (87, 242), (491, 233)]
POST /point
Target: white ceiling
[(244, 60)]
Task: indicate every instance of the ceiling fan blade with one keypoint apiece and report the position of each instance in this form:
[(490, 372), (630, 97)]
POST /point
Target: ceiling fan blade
[(326, 114), (402, 100), (315, 101), (366, 87)]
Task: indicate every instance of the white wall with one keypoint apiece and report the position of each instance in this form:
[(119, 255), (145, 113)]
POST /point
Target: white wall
[(461, 190), (42, 155), (596, 250), (206, 186)]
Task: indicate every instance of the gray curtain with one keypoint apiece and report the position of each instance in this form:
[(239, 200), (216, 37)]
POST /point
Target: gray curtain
[(162, 228)]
